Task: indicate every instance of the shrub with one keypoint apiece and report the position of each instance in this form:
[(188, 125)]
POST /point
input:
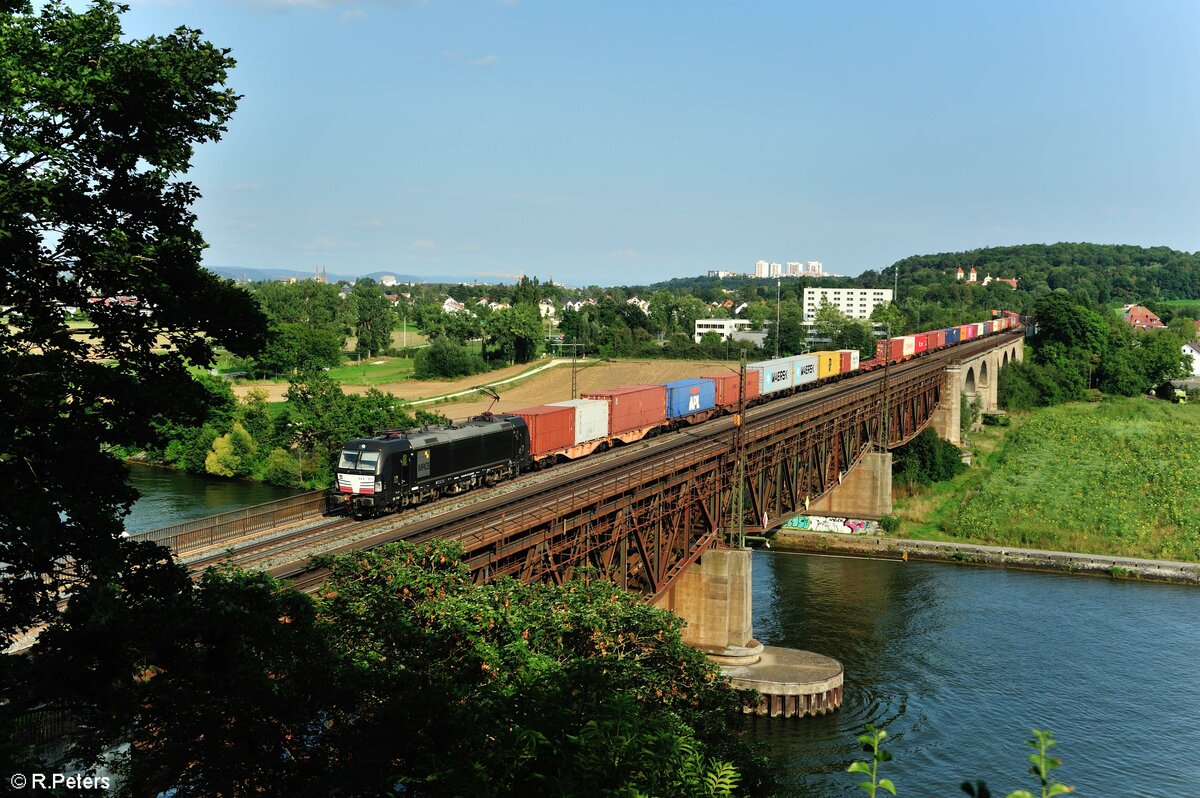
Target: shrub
[(283, 469), (446, 358), (890, 524)]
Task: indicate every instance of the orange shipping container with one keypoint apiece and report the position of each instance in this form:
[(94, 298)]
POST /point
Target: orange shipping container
[(727, 387), (633, 406), (550, 427)]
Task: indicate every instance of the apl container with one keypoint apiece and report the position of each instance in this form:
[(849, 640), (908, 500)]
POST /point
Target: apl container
[(953, 335), (550, 427), (726, 387), (591, 418), (632, 406), (686, 397), (829, 363)]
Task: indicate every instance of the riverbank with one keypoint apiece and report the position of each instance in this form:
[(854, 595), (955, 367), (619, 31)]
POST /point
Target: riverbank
[(1113, 479), (878, 547)]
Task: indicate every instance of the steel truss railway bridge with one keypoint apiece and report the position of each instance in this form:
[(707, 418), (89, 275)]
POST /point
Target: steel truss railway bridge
[(644, 513)]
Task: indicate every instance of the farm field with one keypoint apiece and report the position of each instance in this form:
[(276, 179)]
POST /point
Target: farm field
[(1114, 477), (551, 385)]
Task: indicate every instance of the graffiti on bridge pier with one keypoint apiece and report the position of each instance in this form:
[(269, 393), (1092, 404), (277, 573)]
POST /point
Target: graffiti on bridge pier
[(825, 523)]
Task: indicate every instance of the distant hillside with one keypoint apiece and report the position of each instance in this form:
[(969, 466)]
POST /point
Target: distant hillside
[(257, 275), (1101, 272)]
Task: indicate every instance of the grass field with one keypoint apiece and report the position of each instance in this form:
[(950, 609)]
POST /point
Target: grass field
[(1115, 477), (373, 371)]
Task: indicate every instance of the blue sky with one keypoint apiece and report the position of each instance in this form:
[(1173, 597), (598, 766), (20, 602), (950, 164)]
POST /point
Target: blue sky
[(628, 142)]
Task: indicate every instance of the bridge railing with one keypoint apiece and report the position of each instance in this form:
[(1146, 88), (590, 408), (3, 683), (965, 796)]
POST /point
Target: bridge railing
[(208, 531)]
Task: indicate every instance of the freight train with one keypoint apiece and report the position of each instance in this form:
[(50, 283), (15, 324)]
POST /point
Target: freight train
[(396, 469)]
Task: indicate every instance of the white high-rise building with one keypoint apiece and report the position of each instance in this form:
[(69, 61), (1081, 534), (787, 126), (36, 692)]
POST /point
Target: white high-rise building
[(762, 269), (813, 268), (794, 268), (857, 303), (776, 270)]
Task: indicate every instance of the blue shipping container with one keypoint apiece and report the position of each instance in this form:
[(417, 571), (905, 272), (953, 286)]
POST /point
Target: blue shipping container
[(953, 335), (685, 397)]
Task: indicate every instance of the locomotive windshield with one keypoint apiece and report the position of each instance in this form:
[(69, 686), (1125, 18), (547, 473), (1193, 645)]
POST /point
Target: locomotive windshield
[(364, 462)]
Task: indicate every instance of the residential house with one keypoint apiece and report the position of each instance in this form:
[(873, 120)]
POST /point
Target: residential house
[(1192, 350), (546, 308), (1141, 318), (451, 305)]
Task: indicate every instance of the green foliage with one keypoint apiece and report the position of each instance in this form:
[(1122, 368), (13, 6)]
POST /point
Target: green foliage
[(927, 459), (1043, 763), (1114, 477), (282, 469), (444, 358), (513, 333), (230, 453), (374, 319), (872, 743), (890, 524), (296, 347)]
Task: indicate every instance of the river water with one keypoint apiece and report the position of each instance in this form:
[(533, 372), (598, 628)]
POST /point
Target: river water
[(958, 663), (169, 497)]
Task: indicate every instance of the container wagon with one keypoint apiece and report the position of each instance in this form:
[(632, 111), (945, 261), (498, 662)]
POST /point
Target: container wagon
[(633, 410)]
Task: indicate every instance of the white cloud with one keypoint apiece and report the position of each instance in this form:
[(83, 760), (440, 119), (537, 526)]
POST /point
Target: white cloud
[(353, 14), (422, 243), (485, 61)]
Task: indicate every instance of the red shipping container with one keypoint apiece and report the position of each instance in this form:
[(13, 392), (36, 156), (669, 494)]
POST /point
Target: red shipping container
[(920, 342), (937, 339), (550, 427), (846, 361), (897, 349), (881, 349), (632, 406), (727, 387)]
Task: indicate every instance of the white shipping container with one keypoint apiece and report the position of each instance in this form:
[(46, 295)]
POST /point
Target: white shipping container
[(910, 345), (776, 375), (979, 329), (591, 418), (854, 358), (804, 369)]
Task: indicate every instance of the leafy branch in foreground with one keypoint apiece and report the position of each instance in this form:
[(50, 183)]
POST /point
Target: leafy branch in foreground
[(872, 743)]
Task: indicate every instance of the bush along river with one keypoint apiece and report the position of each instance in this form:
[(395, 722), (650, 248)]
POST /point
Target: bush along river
[(170, 497), (959, 663)]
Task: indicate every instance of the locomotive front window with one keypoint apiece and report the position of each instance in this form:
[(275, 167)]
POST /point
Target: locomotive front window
[(349, 460), (368, 462)]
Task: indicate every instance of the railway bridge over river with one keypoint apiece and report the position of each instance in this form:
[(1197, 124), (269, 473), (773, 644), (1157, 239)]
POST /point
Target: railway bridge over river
[(646, 513)]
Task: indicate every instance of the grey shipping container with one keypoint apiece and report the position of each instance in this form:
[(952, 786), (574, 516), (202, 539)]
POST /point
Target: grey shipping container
[(591, 418)]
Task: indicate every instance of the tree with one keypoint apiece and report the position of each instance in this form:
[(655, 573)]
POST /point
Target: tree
[(374, 317), (95, 131), (446, 358), (293, 347), (890, 316), (514, 332)]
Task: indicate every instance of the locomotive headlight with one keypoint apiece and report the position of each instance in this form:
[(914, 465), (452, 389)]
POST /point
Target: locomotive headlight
[(379, 486)]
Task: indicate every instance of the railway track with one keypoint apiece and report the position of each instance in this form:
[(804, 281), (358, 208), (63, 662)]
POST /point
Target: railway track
[(477, 521)]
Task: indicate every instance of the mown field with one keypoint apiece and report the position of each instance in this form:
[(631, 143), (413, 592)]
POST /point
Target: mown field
[(1119, 477)]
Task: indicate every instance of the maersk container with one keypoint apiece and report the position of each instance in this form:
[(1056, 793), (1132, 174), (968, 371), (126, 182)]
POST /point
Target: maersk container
[(685, 397), (726, 387), (953, 335), (804, 369), (591, 418), (920, 343), (829, 363), (550, 427), (632, 407), (776, 375)]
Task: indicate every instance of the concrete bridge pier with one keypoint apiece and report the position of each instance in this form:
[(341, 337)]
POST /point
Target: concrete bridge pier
[(714, 597), (865, 491)]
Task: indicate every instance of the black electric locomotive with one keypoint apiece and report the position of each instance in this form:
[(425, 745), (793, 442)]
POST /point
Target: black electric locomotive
[(401, 468)]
